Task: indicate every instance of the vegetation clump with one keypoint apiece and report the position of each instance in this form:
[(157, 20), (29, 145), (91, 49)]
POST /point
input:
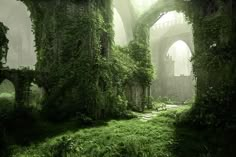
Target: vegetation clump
[(160, 137), (3, 43)]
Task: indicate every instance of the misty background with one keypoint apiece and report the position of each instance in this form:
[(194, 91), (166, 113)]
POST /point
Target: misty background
[(15, 16)]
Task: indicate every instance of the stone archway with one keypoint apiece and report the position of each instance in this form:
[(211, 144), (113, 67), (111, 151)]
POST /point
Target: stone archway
[(21, 79), (178, 88), (180, 54), (162, 86), (185, 37), (7, 94), (146, 21), (166, 43)]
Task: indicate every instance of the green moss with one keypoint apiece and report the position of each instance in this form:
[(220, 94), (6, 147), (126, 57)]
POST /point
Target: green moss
[(74, 43), (213, 59)]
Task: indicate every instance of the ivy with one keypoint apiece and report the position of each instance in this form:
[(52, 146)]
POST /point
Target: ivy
[(141, 55), (86, 74), (214, 57), (3, 43), (74, 46)]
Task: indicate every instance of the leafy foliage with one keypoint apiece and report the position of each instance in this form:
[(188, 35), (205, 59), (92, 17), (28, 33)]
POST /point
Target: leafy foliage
[(3, 43), (116, 139), (74, 47), (141, 54), (159, 137)]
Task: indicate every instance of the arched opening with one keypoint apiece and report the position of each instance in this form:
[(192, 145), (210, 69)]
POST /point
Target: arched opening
[(171, 42), (119, 29), (7, 95), (36, 96), (169, 24), (180, 54), (15, 16)]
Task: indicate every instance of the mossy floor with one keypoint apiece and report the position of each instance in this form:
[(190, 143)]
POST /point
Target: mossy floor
[(158, 137)]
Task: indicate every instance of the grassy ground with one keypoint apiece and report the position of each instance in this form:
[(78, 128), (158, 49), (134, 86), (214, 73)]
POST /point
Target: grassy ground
[(159, 137)]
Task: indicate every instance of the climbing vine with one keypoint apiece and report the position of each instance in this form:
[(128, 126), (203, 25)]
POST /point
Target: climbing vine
[(213, 60), (3, 43), (140, 53), (74, 43)]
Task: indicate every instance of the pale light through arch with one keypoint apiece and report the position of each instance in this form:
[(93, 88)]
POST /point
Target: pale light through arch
[(119, 29), (181, 54), (7, 95)]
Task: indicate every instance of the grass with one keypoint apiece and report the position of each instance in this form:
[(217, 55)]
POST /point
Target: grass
[(159, 137), (131, 138)]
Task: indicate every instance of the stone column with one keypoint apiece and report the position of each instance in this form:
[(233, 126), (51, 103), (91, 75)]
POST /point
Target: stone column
[(71, 37)]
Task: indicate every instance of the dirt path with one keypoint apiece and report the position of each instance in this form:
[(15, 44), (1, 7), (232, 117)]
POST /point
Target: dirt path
[(150, 115)]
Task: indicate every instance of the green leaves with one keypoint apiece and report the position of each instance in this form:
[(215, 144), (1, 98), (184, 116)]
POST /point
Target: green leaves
[(141, 54)]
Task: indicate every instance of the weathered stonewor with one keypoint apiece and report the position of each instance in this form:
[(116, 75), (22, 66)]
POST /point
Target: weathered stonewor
[(71, 36), (21, 79)]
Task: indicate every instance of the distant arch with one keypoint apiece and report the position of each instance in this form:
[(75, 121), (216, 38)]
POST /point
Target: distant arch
[(183, 42), (7, 94), (180, 53), (168, 85), (8, 80), (7, 86), (185, 38)]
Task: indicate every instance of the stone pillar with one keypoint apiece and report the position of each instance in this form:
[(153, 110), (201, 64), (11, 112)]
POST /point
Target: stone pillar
[(22, 89), (71, 39)]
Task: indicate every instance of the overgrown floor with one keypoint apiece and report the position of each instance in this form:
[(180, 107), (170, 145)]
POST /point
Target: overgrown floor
[(158, 137)]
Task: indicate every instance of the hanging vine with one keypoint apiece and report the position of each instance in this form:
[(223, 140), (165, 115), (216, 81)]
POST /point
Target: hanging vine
[(74, 43), (3, 44)]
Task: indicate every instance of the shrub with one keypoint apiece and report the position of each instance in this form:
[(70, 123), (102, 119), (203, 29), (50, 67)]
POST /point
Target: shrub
[(65, 147), (6, 104), (159, 106)]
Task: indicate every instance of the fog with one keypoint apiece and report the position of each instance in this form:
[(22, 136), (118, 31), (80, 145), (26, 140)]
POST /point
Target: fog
[(180, 53), (140, 6), (21, 53), (15, 16), (171, 42), (173, 26), (119, 29)]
